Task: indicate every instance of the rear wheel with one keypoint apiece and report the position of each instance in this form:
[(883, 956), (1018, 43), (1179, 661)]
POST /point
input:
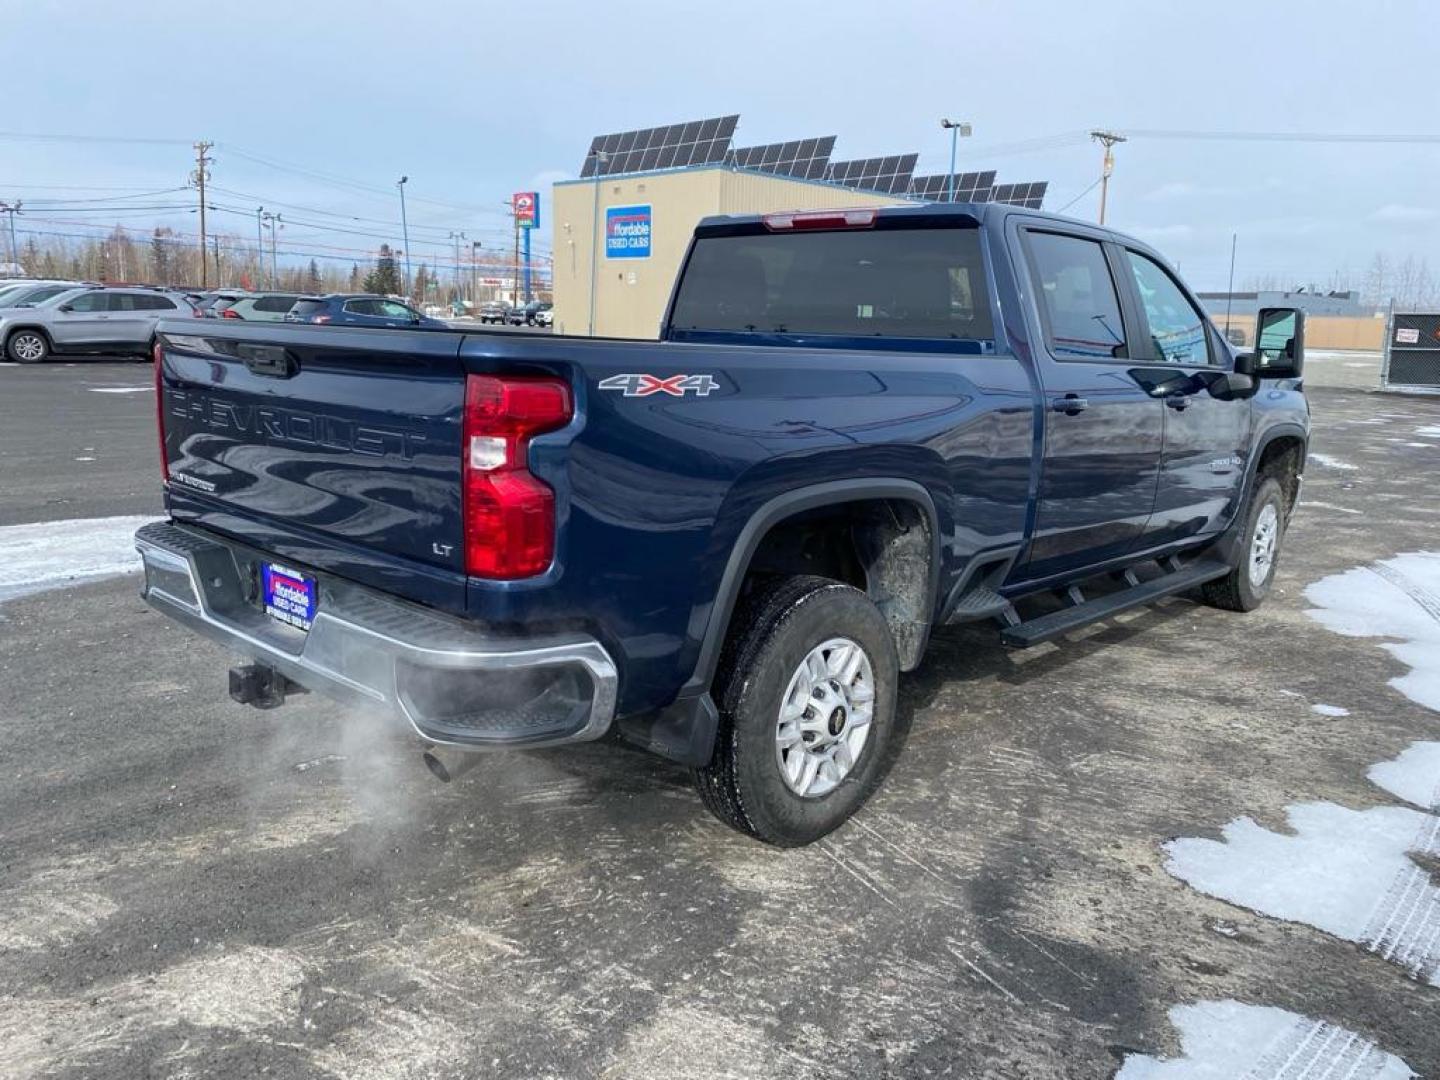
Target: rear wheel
[(808, 724), (1249, 581), (28, 347)]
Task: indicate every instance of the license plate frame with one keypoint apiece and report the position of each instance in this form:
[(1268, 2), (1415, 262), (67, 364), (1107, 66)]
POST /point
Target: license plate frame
[(288, 596)]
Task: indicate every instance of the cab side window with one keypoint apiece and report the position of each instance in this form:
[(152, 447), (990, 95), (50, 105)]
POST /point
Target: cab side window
[(1176, 327), (1077, 293), (393, 310)]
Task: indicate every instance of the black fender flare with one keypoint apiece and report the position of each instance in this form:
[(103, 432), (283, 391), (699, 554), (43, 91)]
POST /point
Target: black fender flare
[(685, 730), (11, 331), (1224, 547)]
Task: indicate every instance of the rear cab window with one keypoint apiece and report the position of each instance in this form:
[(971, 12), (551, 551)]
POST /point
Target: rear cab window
[(893, 283)]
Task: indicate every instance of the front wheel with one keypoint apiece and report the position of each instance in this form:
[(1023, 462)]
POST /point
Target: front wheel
[(808, 724), (1249, 581), (28, 347)]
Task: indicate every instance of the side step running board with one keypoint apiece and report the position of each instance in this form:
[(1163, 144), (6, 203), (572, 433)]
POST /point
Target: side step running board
[(1046, 627)]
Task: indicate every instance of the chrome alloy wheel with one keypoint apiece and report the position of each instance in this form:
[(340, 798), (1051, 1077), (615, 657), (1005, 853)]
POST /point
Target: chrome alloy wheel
[(1263, 544), (28, 347), (825, 717)]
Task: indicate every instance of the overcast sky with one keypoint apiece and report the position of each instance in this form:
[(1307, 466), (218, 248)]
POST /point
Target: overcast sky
[(473, 101)]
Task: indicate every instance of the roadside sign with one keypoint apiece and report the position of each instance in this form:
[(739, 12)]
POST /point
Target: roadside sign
[(526, 205), (1407, 335), (627, 232)]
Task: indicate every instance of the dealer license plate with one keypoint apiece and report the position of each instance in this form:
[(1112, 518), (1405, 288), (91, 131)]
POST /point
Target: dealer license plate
[(288, 595)]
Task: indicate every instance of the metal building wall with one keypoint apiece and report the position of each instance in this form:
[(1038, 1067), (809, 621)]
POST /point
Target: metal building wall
[(631, 294)]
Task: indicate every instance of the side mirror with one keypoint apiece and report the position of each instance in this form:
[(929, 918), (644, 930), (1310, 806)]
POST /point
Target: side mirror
[(63, 307), (1280, 343), (1244, 363)]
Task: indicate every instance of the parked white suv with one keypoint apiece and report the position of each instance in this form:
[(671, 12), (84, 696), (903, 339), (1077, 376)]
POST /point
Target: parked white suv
[(88, 321)]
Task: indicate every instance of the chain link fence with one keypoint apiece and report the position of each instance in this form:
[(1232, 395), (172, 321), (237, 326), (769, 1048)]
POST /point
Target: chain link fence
[(1412, 351)]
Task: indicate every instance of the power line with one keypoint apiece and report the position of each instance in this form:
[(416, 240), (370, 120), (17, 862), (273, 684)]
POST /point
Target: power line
[(1280, 136), (1082, 194)]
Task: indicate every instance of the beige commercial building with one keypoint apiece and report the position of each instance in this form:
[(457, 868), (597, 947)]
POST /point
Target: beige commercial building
[(657, 212)]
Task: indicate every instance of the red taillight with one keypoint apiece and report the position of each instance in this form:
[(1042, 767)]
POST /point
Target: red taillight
[(820, 219), (320, 318), (509, 514), (229, 313), (160, 408), (196, 313)]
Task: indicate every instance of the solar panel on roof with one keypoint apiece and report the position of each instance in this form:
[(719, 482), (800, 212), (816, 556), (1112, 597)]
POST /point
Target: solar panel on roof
[(695, 142), (802, 158), (887, 174)]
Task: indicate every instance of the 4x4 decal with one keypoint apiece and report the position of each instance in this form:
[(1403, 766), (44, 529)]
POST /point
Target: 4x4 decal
[(639, 385)]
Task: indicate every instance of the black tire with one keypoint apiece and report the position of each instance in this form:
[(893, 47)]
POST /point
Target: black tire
[(28, 347), (771, 634), (1239, 590)]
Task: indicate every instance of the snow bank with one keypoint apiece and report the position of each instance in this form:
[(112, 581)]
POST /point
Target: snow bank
[(1224, 1040), (53, 554)]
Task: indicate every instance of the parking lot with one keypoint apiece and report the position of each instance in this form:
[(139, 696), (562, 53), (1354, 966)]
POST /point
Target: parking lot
[(191, 888)]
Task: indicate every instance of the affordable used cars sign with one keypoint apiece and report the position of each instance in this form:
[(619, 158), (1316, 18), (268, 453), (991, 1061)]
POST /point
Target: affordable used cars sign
[(627, 232)]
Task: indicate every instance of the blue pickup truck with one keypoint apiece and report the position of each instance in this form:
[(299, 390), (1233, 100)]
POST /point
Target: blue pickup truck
[(726, 545)]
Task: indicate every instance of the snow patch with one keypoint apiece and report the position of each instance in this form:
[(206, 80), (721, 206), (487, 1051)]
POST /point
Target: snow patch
[(1331, 462), (1330, 506), (1395, 598), (1346, 872), (53, 554), (1329, 710), (1431, 431), (1223, 1040), (1414, 776), (120, 389)]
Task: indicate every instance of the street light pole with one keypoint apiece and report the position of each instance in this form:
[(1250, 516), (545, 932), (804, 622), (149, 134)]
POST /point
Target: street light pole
[(600, 159), (475, 247), (956, 129), (404, 232)]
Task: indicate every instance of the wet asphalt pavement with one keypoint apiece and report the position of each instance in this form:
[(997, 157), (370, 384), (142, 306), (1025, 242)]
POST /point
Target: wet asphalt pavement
[(189, 888)]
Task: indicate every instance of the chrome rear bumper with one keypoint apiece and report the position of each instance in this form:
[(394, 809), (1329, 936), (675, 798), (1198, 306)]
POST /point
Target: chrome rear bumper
[(450, 681)]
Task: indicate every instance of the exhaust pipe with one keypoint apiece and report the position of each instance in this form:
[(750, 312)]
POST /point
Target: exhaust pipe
[(446, 765)]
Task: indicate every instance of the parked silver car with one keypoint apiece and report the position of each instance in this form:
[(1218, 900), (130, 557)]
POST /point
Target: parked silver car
[(14, 293), (88, 320), (260, 307)]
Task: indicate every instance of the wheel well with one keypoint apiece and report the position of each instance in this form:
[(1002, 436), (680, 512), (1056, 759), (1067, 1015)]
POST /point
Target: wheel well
[(21, 329), (1281, 459), (881, 546)]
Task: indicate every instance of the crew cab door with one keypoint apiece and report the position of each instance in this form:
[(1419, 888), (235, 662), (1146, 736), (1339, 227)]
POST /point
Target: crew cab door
[(1207, 430), (1102, 428)]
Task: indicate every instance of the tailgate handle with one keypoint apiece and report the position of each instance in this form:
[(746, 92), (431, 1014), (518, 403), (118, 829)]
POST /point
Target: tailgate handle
[(273, 361)]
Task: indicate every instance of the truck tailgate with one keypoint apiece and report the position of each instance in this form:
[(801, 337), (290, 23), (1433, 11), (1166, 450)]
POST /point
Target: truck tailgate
[(333, 448)]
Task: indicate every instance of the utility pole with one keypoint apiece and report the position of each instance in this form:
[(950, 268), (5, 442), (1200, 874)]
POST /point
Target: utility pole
[(456, 237), (260, 245), (273, 221), (219, 277), (12, 209), (1230, 286), (404, 232), (956, 128), (199, 176), (1107, 139)]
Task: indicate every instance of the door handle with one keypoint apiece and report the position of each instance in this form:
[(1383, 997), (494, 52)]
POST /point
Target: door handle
[(1070, 404), (1178, 401)]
